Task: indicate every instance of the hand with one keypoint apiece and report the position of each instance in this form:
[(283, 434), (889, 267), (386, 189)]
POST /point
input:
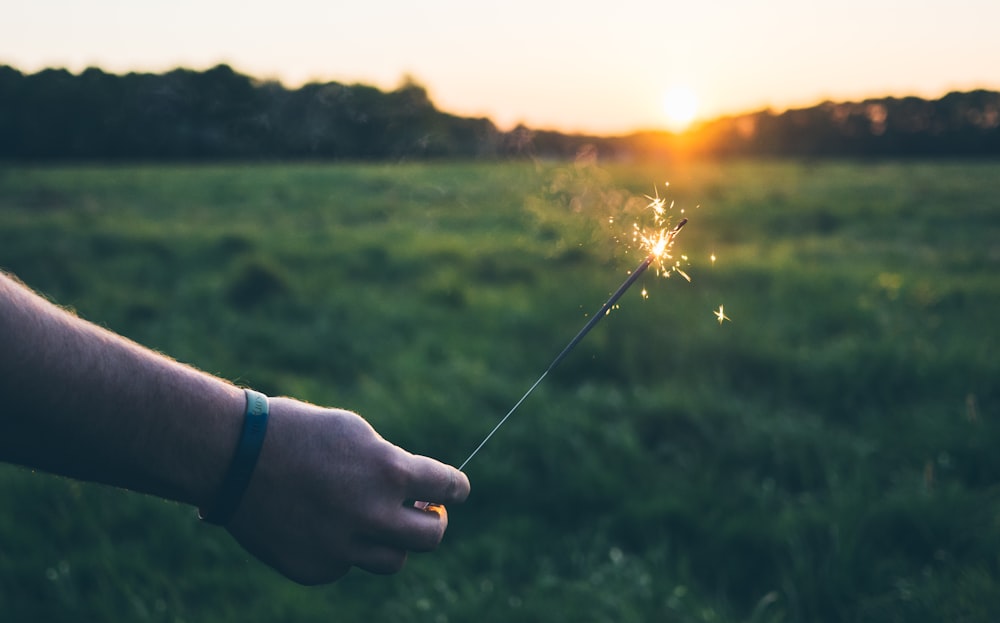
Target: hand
[(329, 493)]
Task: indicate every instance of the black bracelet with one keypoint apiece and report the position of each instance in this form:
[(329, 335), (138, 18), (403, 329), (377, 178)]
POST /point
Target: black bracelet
[(244, 461)]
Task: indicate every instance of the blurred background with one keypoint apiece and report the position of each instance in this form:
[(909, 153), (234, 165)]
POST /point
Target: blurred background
[(408, 211)]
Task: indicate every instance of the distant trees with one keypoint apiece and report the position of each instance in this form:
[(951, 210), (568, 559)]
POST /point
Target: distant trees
[(958, 124), (219, 113), (222, 114)]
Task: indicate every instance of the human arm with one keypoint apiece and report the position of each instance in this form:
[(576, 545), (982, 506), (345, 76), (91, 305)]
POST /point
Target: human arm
[(327, 492)]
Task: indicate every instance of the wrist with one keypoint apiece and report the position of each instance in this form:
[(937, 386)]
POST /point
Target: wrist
[(226, 500)]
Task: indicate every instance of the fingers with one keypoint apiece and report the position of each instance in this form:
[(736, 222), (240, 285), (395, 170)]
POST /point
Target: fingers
[(435, 516), (381, 559), (436, 482), (419, 526), (408, 527), (423, 533)]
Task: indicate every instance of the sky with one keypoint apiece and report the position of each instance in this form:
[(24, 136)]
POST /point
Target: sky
[(600, 67)]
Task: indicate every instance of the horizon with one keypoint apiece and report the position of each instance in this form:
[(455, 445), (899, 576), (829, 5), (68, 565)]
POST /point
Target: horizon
[(692, 125), (562, 67)]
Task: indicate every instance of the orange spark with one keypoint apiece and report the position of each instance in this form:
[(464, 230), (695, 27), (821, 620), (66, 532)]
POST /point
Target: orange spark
[(721, 315)]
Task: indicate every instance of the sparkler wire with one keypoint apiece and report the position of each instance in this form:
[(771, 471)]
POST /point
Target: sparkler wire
[(641, 268)]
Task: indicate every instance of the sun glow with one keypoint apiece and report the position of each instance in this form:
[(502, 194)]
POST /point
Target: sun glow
[(680, 106)]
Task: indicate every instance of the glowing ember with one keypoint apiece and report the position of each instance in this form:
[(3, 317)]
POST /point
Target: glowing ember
[(721, 315)]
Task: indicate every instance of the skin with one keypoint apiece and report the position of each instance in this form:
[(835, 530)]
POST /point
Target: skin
[(328, 492)]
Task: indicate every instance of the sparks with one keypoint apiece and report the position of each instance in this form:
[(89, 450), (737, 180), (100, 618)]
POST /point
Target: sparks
[(721, 315), (668, 239), (657, 240)]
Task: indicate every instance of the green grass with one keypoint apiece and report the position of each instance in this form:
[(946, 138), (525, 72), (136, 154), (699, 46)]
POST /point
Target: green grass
[(829, 455)]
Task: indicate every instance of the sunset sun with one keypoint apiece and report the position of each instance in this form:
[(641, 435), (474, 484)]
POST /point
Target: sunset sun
[(680, 106)]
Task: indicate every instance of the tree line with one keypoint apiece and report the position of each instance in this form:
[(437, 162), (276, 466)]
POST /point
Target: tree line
[(222, 114), (956, 125)]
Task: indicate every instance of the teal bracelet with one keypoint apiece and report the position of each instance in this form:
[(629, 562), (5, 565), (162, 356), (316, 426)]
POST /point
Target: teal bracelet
[(243, 463)]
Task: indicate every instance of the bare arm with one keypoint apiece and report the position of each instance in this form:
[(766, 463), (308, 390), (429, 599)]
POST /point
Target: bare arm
[(327, 492)]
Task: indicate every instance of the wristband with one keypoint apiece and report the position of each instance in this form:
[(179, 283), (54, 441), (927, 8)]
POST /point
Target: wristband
[(244, 461)]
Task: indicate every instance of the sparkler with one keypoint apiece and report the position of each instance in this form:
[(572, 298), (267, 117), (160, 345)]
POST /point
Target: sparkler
[(658, 243)]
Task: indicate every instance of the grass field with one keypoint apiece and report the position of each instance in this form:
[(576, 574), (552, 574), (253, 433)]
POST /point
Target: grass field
[(831, 454)]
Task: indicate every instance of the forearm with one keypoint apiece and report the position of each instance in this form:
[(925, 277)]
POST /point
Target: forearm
[(327, 492), (83, 402)]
